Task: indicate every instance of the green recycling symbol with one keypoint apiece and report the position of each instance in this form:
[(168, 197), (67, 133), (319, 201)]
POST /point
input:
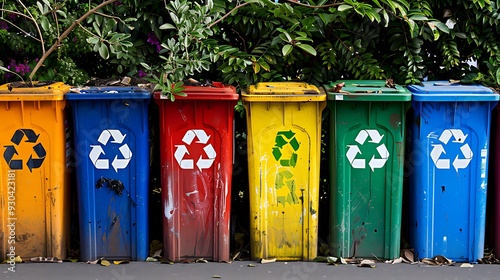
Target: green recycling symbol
[(286, 143)]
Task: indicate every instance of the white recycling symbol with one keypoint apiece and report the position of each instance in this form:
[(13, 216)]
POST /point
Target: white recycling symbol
[(181, 151), (117, 138), (438, 150), (354, 150)]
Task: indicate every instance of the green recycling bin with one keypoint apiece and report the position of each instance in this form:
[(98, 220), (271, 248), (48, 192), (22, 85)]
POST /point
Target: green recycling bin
[(367, 129)]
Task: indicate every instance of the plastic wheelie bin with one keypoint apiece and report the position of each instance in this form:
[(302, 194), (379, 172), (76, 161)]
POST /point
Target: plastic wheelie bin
[(196, 154), (367, 134), (112, 171), (284, 134), (448, 169), (34, 212)]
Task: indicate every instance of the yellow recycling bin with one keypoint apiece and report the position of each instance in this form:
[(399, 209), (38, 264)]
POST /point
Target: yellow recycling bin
[(284, 134), (34, 217)]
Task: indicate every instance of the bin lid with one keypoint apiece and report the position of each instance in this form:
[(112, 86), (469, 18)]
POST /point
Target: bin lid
[(218, 91), (107, 92), (283, 91), (41, 91), (366, 90), (443, 91)]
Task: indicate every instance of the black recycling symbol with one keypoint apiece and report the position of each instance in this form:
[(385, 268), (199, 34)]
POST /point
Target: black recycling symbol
[(36, 157)]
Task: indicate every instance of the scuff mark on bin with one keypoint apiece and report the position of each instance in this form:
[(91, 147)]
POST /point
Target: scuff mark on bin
[(169, 207), (193, 192)]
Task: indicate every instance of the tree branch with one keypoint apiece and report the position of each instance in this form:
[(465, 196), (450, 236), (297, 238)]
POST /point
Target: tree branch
[(36, 25), (65, 34), (314, 7), (226, 15)]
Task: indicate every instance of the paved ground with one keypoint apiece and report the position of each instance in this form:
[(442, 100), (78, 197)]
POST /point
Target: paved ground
[(242, 270)]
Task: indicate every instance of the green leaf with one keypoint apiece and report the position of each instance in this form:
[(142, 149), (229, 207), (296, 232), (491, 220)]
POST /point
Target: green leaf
[(227, 69), (286, 49), (497, 76), (418, 17), (167, 26), (104, 51), (97, 28), (45, 24), (40, 7), (344, 7), (435, 31), (146, 66), (265, 66), (284, 32), (307, 48), (61, 13), (441, 26), (256, 67)]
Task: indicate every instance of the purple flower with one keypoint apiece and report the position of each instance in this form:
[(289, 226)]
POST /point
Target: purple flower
[(12, 16), (20, 68), (141, 73), (153, 40), (4, 25)]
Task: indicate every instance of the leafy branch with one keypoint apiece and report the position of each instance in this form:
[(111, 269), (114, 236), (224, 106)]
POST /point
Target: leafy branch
[(64, 35)]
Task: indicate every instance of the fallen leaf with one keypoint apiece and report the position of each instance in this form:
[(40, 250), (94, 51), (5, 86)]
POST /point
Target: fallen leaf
[(154, 246), (268, 260), (367, 263), (236, 255), (94, 262), (331, 260), (396, 261), (216, 276), (320, 259), (343, 261), (120, 262), (251, 265), (429, 261), (105, 263), (157, 254), (408, 256)]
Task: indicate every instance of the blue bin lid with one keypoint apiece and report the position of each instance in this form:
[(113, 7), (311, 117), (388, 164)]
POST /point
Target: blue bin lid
[(107, 92), (444, 91)]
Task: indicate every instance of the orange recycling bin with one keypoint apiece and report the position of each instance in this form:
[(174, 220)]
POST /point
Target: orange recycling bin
[(34, 213)]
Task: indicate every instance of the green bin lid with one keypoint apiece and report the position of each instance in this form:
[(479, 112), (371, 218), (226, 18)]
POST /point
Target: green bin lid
[(366, 90)]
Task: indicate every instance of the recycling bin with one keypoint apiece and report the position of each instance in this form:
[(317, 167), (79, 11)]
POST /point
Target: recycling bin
[(34, 212), (112, 171), (367, 135), (448, 169), (196, 154), (283, 139)]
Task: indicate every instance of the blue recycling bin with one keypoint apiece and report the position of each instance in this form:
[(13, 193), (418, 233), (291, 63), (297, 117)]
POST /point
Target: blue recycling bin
[(111, 147), (447, 163)]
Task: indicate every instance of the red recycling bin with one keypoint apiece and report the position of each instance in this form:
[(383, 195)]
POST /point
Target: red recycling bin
[(196, 144)]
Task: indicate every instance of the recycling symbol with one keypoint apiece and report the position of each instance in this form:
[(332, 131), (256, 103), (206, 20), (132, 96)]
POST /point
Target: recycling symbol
[(438, 150), (286, 143), (182, 151), (97, 150), (35, 159), (354, 150)]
